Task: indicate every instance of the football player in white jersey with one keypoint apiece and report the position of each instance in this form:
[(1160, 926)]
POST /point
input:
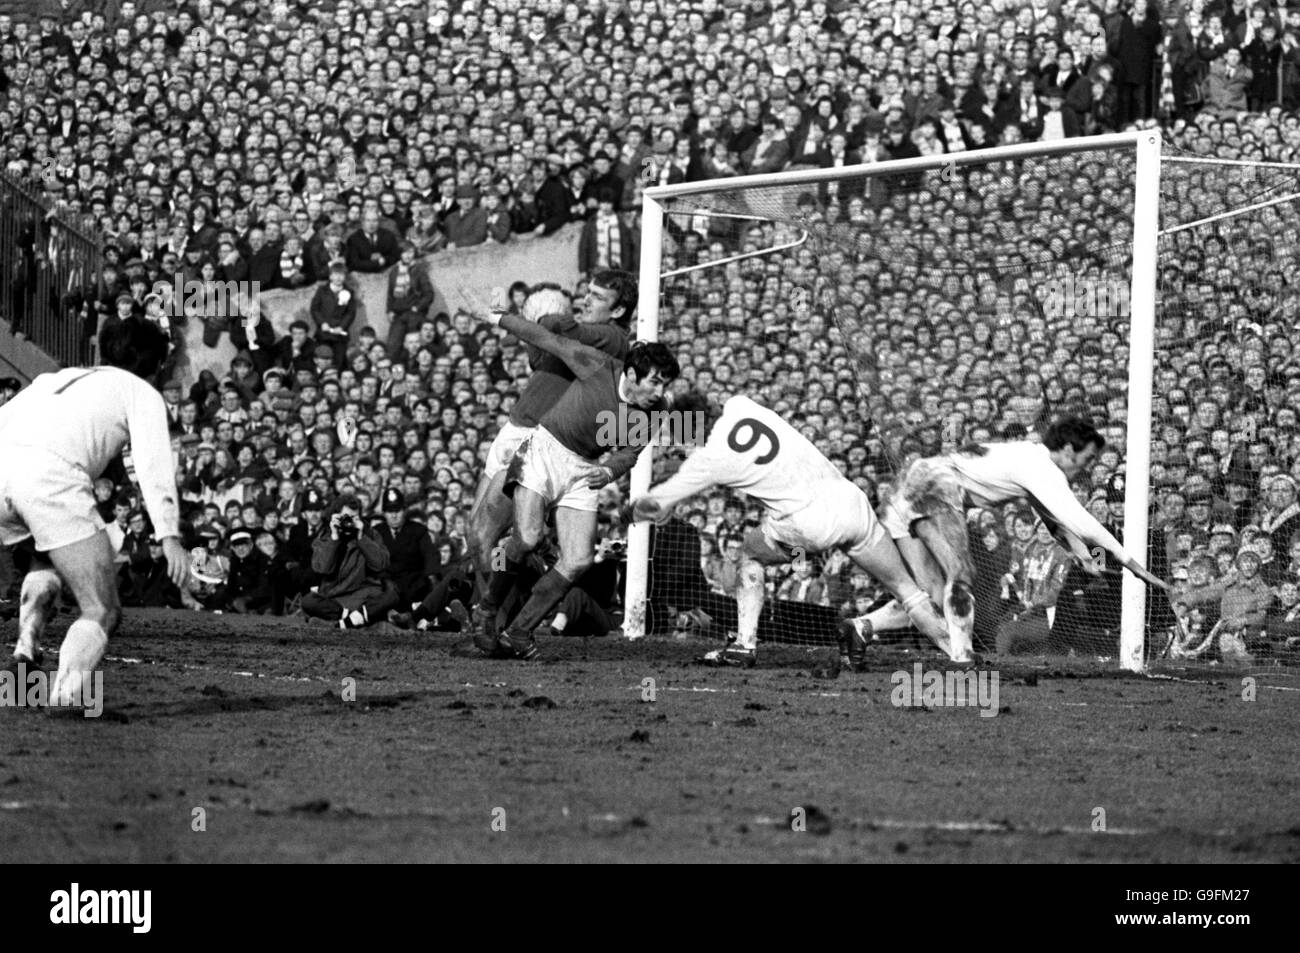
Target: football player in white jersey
[(56, 438), (926, 516), (810, 505)]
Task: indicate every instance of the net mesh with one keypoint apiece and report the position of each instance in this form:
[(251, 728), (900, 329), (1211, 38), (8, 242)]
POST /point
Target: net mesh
[(894, 316)]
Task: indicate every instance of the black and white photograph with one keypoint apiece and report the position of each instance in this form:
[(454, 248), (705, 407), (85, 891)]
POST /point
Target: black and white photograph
[(651, 432)]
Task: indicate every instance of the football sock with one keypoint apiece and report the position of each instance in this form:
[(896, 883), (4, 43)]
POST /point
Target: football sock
[(749, 605), (502, 581), (959, 607), (40, 589), (550, 589), (888, 618), (83, 648)]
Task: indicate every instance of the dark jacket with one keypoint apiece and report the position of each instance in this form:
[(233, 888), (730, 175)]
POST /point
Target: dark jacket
[(352, 571), (249, 579), (412, 558), (360, 247)]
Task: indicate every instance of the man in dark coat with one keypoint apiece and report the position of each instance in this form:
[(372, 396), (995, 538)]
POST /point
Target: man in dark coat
[(354, 590), (412, 558)]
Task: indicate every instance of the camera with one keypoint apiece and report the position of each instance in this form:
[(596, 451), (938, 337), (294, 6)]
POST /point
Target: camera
[(347, 527)]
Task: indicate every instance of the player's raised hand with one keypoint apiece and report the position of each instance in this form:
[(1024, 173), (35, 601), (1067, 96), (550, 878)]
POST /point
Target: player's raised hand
[(178, 561), (647, 508)]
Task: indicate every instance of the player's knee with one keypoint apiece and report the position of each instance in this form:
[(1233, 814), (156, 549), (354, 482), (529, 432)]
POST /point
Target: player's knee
[(40, 586), (751, 575)]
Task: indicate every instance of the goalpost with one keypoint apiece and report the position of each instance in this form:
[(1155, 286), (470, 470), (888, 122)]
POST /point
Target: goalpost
[(793, 201)]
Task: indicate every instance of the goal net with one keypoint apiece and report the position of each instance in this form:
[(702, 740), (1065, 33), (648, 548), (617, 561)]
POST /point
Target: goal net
[(907, 309)]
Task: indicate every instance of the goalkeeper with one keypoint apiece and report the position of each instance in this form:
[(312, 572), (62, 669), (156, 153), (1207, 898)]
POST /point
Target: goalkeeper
[(810, 506), (926, 517)]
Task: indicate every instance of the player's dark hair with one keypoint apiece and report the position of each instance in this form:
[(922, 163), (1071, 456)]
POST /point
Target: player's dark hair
[(624, 286), (348, 501), (647, 356), (697, 402), (134, 345), (1075, 432)]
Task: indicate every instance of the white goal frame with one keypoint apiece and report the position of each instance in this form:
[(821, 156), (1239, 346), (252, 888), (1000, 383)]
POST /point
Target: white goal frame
[(1145, 144)]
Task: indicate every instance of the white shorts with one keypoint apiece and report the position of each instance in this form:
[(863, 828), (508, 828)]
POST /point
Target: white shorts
[(841, 518), (46, 498), (503, 448), (926, 487), (554, 472)]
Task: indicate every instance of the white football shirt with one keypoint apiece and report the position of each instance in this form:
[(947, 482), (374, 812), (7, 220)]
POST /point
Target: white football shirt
[(85, 416), (1023, 470), (752, 449)]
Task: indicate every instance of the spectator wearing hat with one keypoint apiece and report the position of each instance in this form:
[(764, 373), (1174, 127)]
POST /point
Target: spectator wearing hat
[(1244, 605), (298, 543), (412, 558), (1238, 491), (333, 309), (370, 249), (466, 225), (171, 393), (1199, 516), (354, 590), (248, 584), (410, 293)]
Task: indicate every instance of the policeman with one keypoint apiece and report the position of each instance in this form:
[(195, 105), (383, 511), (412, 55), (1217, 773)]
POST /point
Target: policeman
[(413, 560)]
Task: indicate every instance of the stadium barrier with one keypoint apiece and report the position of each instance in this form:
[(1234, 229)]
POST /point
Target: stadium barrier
[(50, 269), (554, 258)]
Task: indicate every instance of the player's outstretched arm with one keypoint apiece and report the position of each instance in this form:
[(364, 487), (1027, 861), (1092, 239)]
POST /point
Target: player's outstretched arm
[(1141, 572), (151, 449), (580, 358)]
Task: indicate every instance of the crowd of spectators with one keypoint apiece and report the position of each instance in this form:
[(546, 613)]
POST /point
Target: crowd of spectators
[(297, 144)]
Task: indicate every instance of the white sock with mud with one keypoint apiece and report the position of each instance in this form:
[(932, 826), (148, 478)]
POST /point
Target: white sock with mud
[(922, 613), (82, 650), (749, 605), (40, 589), (959, 608), (891, 617)]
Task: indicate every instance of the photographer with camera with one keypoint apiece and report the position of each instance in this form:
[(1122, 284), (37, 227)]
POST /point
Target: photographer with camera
[(354, 589)]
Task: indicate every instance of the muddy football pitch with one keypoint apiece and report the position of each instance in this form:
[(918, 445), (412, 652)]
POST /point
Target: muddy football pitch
[(253, 739)]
